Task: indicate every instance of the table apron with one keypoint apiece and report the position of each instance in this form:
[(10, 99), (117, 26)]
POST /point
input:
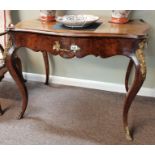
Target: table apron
[(82, 46)]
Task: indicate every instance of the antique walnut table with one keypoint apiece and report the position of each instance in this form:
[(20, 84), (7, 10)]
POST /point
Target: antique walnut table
[(103, 39)]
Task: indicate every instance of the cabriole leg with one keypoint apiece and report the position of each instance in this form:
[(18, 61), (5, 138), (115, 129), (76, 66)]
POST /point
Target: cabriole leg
[(14, 71), (140, 74)]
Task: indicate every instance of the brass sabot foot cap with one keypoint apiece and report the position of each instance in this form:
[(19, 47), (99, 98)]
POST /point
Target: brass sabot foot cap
[(127, 134)]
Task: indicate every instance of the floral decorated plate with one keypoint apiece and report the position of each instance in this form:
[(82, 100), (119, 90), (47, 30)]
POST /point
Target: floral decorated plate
[(77, 21)]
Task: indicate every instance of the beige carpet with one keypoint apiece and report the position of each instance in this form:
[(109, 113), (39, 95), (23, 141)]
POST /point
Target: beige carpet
[(59, 114)]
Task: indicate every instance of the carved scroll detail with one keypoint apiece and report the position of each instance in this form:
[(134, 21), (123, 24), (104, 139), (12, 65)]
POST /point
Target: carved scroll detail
[(66, 53), (57, 47), (73, 47), (141, 58)]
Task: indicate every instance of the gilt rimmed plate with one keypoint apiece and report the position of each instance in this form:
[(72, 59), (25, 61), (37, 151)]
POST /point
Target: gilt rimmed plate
[(77, 21)]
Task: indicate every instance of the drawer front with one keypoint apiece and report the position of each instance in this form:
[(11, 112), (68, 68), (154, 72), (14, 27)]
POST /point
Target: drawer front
[(69, 47)]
